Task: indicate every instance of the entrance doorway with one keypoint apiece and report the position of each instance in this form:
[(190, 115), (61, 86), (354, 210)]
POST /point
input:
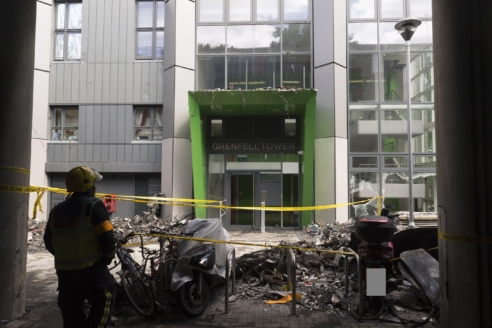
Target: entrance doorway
[(252, 188)]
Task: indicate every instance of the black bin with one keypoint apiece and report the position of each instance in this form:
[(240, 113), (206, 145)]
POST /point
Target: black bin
[(374, 229)]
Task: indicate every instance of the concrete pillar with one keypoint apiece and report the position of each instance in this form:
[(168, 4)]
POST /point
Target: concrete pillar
[(178, 79), (331, 139), (463, 95), (17, 23)]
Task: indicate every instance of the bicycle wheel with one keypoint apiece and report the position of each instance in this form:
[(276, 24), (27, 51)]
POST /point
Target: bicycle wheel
[(138, 293)]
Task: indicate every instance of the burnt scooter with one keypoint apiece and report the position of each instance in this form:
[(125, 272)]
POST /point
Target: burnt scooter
[(375, 252)]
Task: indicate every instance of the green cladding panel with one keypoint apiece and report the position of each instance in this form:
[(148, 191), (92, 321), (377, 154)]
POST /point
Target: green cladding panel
[(252, 103)]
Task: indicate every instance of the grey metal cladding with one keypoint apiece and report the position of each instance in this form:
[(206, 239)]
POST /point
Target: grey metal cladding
[(96, 156), (128, 124), (105, 124), (89, 124), (75, 83), (89, 153), (97, 124), (120, 153), (67, 83), (145, 88), (128, 153), (106, 82), (137, 83), (120, 136), (113, 124)]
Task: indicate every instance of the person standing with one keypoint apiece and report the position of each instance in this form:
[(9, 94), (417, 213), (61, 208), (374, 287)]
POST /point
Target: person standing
[(80, 236)]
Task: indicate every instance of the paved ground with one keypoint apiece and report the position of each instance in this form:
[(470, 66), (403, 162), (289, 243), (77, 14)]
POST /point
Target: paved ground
[(42, 311)]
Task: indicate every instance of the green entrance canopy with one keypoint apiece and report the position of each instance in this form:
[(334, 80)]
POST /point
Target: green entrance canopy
[(281, 102)]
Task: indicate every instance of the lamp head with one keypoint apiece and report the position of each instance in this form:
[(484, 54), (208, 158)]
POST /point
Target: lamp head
[(407, 27)]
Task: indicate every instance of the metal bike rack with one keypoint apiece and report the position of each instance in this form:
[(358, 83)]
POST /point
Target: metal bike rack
[(360, 273), (230, 256), (291, 278)]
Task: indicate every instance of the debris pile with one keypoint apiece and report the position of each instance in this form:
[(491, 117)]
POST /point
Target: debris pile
[(333, 236), (320, 276), (35, 235)]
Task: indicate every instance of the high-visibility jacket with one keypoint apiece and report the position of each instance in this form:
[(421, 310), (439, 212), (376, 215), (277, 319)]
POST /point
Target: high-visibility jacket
[(74, 238)]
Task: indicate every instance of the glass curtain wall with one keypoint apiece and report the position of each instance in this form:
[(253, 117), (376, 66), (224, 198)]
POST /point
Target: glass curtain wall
[(378, 105), (250, 44)]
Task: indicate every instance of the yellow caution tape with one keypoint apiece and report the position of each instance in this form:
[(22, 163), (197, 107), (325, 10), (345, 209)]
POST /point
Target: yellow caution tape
[(19, 189), (465, 239), (38, 204), (13, 168)]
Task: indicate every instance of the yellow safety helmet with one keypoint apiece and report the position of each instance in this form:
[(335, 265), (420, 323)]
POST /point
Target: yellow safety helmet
[(81, 179)]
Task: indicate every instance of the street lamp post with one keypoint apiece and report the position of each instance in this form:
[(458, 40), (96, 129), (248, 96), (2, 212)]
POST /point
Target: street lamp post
[(407, 27)]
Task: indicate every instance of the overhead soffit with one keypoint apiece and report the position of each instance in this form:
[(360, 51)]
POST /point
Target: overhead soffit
[(252, 102)]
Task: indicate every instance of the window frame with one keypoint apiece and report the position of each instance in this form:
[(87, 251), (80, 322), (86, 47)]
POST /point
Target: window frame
[(63, 125), (65, 31), (154, 29), (152, 128)]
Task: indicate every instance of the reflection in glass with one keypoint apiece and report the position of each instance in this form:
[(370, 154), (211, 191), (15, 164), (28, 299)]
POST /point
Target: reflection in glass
[(363, 36), (74, 45), (161, 13), (210, 39), (267, 10), (363, 80), (142, 117), (210, 72), (296, 38), (359, 162), (296, 71), (60, 17), (267, 39), (426, 190), (394, 127), (290, 127), (144, 45), (424, 142), (239, 10), (216, 128), (57, 117), (362, 9), (363, 186), (422, 39), (251, 72), (240, 39), (215, 185), (363, 128), (159, 44), (59, 42), (395, 162), (393, 74), (392, 9), (424, 162), (390, 40), (396, 189), (211, 11), (145, 13), (296, 10), (74, 15), (421, 8)]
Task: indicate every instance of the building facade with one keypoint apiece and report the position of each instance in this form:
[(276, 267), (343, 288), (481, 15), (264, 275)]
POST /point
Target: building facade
[(183, 97)]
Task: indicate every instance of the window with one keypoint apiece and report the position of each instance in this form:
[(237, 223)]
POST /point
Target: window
[(150, 29), (64, 123), (68, 30), (148, 123)]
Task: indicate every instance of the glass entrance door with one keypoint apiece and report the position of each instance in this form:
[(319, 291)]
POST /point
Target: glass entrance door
[(242, 194)]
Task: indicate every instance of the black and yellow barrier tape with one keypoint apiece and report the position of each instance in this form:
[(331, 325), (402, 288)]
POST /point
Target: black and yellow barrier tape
[(241, 243), (13, 168), (464, 239), (182, 201)]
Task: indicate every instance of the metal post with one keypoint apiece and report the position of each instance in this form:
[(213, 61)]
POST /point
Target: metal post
[(262, 217), (411, 223), (230, 256), (291, 278)]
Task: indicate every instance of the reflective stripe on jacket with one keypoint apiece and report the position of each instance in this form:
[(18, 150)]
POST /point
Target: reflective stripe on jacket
[(74, 238)]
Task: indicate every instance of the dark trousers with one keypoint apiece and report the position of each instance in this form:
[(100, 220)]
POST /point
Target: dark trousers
[(95, 284)]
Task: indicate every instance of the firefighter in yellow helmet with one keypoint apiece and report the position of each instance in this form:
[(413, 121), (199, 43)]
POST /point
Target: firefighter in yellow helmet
[(80, 236)]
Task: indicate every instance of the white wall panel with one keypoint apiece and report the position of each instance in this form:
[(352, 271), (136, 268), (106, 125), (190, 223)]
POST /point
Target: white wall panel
[(340, 101), (167, 176), (184, 83), (96, 156), (40, 109), (323, 32), (108, 10), (325, 103), (106, 81), (42, 45), (170, 33), (83, 82), (113, 83), (75, 83), (340, 32), (98, 82), (168, 105), (324, 175), (91, 78), (341, 176), (185, 33), (182, 169)]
